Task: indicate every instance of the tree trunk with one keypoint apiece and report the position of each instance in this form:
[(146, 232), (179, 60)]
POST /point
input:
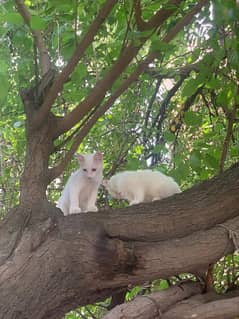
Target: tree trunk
[(35, 178), (51, 265)]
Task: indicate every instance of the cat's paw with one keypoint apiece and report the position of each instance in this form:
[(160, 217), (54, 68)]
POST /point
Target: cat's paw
[(156, 198), (134, 202), (92, 209), (75, 210)]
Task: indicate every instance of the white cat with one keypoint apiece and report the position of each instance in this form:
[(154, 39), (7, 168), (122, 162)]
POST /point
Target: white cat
[(80, 192), (141, 186)]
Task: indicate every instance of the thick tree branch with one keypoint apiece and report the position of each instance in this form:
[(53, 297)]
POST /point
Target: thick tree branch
[(44, 57), (100, 253), (209, 306), (155, 304)]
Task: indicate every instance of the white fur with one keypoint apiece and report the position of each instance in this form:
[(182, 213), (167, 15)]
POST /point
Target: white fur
[(141, 186), (80, 192)]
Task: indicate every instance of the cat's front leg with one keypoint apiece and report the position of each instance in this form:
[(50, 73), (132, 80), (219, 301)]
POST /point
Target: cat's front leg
[(74, 203), (91, 207)]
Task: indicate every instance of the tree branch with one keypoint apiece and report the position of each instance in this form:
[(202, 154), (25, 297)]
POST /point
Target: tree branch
[(185, 20), (66, 124), (44, 57), (208, 306), (57, 170), (231, 120), (69, 68), (141, 24), (101, 253), (150, 306), (102, 86)]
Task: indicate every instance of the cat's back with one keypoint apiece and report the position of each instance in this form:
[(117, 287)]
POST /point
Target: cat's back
[(124, 179), (132, 177), (156, 180)]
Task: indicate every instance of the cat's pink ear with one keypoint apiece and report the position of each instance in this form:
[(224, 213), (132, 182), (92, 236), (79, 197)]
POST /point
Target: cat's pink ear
[(80, 158), (98, 156)]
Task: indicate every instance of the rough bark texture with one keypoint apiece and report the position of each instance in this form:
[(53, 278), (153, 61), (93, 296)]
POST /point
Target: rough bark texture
[(179, 302), (51, 265), (155, 304), (209, 306)]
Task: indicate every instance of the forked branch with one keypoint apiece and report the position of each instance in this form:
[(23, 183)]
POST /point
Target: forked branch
[(54, 172), (102, 86), (77, 55)]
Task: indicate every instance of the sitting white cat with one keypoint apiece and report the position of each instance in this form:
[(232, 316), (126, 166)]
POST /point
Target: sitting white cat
[(80, 192), (141, 186)]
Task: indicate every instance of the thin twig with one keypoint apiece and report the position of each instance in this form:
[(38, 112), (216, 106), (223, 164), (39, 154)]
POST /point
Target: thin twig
[(124, 43)]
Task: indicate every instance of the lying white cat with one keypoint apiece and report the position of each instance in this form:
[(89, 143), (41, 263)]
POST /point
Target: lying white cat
[(80, 192), (141, 186)]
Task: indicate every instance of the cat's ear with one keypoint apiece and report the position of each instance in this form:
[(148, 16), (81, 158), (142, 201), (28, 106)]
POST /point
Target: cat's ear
[(98, 157), (80, 158)]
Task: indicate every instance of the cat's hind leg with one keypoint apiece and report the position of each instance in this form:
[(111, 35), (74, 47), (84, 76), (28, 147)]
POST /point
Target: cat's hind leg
[(138, 197)]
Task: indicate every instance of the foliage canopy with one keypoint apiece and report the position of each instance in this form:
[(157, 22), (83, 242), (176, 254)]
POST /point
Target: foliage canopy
[(180, 116)]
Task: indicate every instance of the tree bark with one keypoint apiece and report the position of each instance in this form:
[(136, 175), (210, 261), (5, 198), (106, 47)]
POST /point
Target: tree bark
[(209, 306), (154, 305), (183, 301), (58, 263)]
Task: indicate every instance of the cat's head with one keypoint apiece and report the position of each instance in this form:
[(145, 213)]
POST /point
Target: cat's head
[(111, 188), (91, 165)]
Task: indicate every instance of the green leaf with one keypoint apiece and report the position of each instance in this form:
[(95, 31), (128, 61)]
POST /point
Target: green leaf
[(163, 284), (37, 23), (195, 161), (169, 137), (211, 161), (189, 88), (4, 86), (214, 84), (13, 17), (160, 46), (192, 118), (159, 148), (133, 164)]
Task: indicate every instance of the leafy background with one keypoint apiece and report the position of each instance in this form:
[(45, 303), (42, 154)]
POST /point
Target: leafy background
[(181, 116)]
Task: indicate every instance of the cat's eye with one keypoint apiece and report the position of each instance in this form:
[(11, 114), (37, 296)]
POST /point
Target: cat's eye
[(93, 169), (84, 169)]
